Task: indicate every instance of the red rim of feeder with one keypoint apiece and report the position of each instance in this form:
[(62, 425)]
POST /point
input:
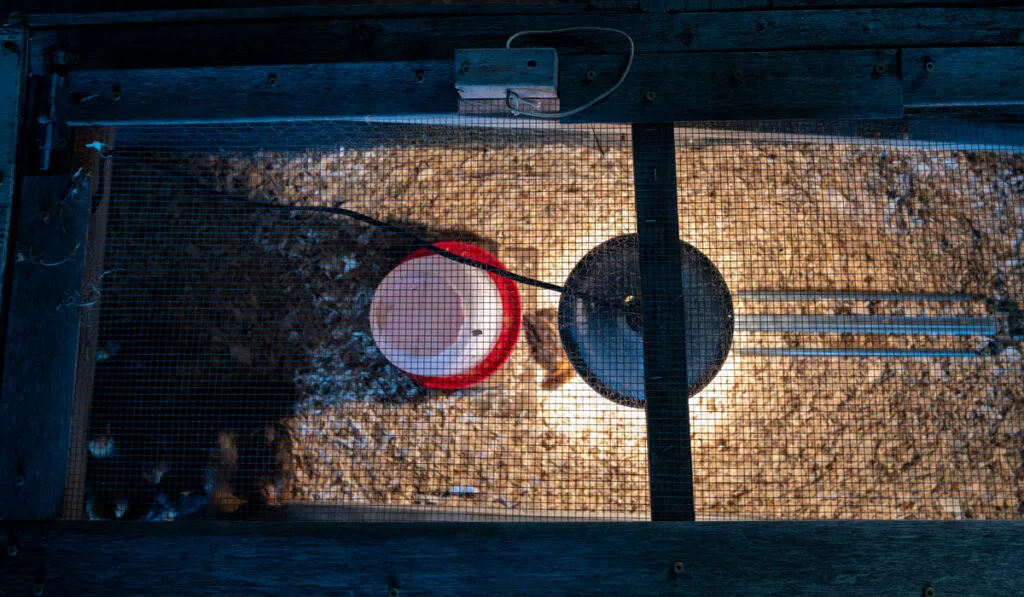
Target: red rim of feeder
[(511, 320)]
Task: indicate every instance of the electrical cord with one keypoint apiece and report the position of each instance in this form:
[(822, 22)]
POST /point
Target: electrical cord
[(513, 96), (415, 241), (421, 243)]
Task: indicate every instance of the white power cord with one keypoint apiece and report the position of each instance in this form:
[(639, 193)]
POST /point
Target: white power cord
[(512, 96)]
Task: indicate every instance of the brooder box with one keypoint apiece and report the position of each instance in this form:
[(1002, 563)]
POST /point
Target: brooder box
[(265, 294)]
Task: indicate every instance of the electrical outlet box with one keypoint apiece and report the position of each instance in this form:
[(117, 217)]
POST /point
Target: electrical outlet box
[(492, 73)]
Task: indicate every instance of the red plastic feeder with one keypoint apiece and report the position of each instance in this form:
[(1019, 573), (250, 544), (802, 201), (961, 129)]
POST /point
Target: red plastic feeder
[(445, 324)]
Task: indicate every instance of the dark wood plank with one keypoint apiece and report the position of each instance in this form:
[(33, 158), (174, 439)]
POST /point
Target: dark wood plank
[(261, 93), (365, 39), (12, 94), (939, 77), (729, 86), (869, 3), (702, 5), (666, 385), (41, 345), (970, 127), (745, 85), (719, 559), (91, 291), (77, 14)]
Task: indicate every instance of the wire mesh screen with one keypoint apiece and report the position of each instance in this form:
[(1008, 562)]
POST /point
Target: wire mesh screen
[(260, 361), (462, 343), (875, 371)]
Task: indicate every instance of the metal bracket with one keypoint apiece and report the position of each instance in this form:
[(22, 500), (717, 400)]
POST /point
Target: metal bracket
[(47, 101)]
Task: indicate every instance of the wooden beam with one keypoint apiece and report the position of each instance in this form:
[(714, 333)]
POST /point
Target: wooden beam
[(740, 85), (109, 13), (41, 345), (970, 128), (720, 559), (870, 3), (92, 283), (261, 93), (13, 72), (943, 77), (666, 385), (702, 5), (436, 38)]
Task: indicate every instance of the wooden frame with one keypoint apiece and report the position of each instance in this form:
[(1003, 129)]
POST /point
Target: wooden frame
[(721, 559), (896, 64)]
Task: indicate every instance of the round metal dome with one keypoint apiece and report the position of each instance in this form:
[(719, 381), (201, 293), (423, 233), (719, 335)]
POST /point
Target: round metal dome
[(600, 322)]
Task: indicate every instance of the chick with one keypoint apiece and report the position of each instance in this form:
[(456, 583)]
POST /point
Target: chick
[(220, 477), (102, 446), (121, 507), (101, 505), (546, 347), (155, 473), (274, 483)]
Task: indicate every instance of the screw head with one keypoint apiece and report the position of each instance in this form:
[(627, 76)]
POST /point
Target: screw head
[(591, 75), (38, 589), (678, 568), (880, 69), (272, 79), (929, 66), (420, 76), (928, 591), (19, 480), (12, 550), (115, 91), (393, 592), (737, 74), (650, 96)]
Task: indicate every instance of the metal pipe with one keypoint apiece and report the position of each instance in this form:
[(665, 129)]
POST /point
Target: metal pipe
[(771, 295), (868, 324), (857, 352)]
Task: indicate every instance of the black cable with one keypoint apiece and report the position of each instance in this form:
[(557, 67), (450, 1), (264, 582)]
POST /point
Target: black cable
[(415, 240), (418, 242)]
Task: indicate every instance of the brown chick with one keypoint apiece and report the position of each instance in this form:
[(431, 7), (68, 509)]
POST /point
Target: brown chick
[(274, 485), (223, 468), (546, 347)]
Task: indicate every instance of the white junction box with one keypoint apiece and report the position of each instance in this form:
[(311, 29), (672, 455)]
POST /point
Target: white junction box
[(492, 73)]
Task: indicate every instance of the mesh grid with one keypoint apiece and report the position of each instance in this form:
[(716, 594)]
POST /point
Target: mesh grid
[(239, 374), (837, 228), (242, 356)]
